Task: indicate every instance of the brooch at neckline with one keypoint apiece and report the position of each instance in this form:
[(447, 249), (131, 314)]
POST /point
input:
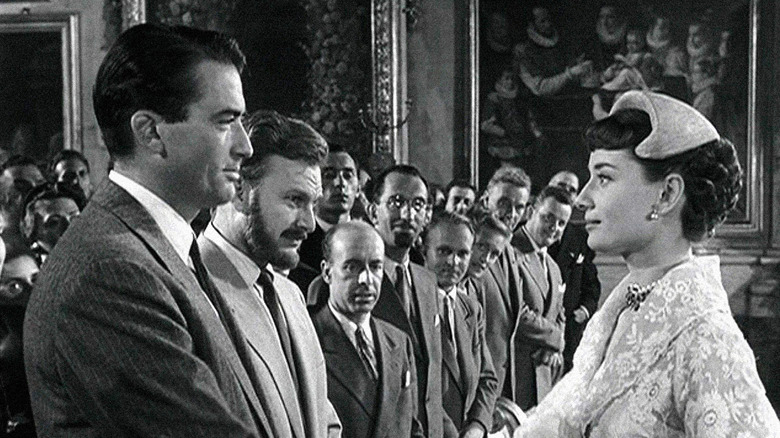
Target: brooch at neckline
[(637, 294)]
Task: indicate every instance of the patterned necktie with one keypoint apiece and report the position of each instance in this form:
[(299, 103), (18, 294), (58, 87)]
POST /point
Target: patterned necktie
[(365, 353), (402, 288), (272, 303)]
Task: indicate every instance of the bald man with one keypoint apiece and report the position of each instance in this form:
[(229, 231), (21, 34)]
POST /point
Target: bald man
[(371, 370)]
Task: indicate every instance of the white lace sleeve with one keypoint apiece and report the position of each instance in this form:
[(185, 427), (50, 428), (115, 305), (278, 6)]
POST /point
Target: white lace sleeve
[(716, 387)]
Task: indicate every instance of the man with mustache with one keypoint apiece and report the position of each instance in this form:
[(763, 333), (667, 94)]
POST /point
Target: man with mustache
[(408, 296), (469, 385), (538, 347), (372, 379), (340, 188), (262, 227)]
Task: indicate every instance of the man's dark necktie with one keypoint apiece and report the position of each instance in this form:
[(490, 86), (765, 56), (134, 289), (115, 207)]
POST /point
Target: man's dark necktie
[(272, 302), (448, 347), (402, 288), (202, 274), (365, 353)]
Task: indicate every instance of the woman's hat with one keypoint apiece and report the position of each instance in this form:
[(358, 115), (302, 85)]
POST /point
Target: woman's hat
[(676, 126)]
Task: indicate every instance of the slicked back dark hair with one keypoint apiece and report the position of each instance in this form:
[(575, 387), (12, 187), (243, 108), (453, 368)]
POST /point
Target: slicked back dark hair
[(152, 67), (404, 169), (274, 134), (559, 194), (459, 183), (67, 154)]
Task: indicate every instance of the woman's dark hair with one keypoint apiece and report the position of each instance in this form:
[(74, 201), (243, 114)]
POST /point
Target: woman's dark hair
[(711, 172)]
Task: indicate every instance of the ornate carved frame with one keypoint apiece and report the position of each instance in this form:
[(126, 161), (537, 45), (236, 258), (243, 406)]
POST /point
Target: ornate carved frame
[(388, 30), (750, 232), (67, 25)]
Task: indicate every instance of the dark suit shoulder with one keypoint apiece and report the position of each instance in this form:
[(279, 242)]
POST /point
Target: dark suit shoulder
[(396, 336), (521, 242)]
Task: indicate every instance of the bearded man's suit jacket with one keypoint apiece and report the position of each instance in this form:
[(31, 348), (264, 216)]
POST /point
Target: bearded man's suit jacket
[(120, 339), (541, 328), (469, 384), (305, 413), (386, 407)]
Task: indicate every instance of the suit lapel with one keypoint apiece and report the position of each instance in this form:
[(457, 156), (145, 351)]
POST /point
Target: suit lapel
[(137, 219), (390, 359), (502, 281), (463, 329), (246, 306), (427, 305), (343, 361), (389, 308)]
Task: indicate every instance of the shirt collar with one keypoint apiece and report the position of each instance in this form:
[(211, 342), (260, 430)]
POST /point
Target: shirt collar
[(246, 267), (535, 245), (171, 223), (391, 265), (452, 293), (349, 326)]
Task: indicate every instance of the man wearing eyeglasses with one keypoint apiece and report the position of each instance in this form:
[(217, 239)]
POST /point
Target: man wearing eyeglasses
[(408, 295)]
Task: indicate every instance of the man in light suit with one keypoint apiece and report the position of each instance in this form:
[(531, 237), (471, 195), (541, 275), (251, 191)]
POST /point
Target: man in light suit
[(408, 296), (263, 226), (492, 237), (506, 197), (539, 341), (340, 188), (469, 385), (123, 335), (372, 380), (575, 259)]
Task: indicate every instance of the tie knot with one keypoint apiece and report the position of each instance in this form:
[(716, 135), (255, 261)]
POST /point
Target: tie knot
[(264, 279)]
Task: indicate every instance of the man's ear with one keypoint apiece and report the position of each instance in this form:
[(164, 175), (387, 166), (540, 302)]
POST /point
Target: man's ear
[(372, 213), (672, 194), (326, 272), (145, 125)]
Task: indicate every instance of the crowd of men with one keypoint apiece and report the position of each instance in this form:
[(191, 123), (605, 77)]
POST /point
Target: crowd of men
[(299, 311)]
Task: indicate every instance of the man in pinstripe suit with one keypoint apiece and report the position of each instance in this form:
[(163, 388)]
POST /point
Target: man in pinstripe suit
[(123, 334)]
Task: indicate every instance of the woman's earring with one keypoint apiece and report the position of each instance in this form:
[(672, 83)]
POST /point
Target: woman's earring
[(653, 216)]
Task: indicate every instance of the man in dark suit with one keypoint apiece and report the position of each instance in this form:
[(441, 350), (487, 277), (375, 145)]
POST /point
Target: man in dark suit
[(408, 296), (340, 188), (372, 380), (539, 341), (122, 337), (469, 385), (575, 259), (263, 226)]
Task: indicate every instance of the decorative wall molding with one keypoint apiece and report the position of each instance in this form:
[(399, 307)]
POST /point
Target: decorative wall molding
[(388, 33)]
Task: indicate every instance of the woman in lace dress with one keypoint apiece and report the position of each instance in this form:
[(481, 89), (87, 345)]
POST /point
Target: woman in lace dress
[(663, 357)]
